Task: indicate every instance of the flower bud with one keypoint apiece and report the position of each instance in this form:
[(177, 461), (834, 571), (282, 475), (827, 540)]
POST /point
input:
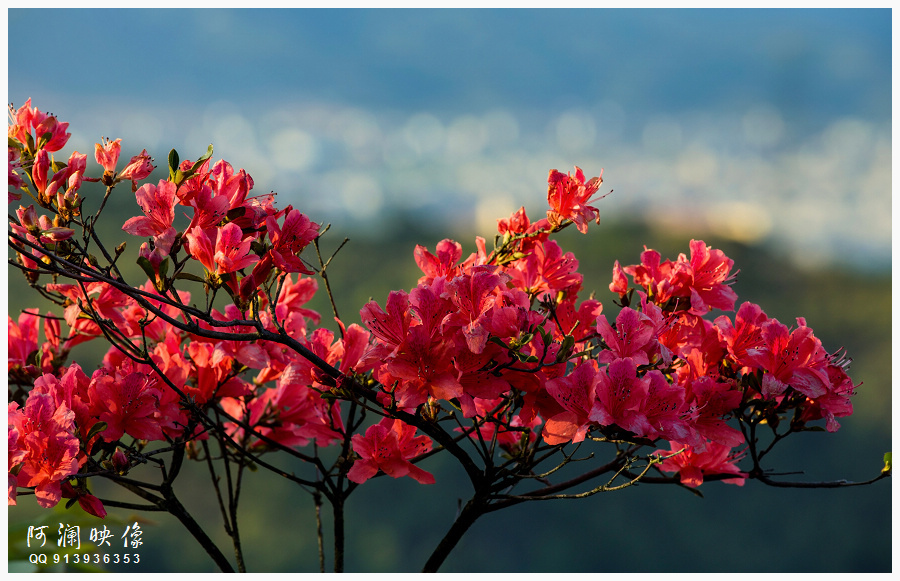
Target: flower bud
[(28, 218), (56, 234), (39, 170), (119, 461)]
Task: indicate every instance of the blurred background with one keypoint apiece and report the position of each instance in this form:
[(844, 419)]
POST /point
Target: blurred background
[(766, 133)]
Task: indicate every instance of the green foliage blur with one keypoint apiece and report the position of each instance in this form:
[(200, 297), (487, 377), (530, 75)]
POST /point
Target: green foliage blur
[(393, 525)]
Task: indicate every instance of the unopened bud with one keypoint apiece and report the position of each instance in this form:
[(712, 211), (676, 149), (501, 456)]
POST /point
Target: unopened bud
[(120, 462)]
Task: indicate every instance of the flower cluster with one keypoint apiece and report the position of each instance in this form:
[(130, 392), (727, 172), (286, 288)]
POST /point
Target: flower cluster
[(67, 418), (499, 341), (504, 332)]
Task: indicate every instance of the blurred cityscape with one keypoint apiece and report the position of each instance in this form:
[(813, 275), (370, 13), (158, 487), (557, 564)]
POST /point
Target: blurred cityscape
[(756, 125)]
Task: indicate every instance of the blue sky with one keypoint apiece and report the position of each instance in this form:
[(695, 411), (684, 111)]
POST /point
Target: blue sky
[(763, 125)]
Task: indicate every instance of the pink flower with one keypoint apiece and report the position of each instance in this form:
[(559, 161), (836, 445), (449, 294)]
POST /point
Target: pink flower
[(23, 339), (46, 434), (298, 413), (39, 170), (620, 397), (107, 154), (790, 359), (138, 168), (745, 333), (701, 282), (233, 250), (547, 271), (662, 281), (474, 295), (64, 184), (388, 446), (209, 210), (444, 264), (710, 279), (89, 503), (663, 411), (835, 403), (634, 336), (619, 284), (15, 180), (158, 204), (710, 402), (569, 198), (289, 240), (107, 304), (576, 394), (230, 254), (50, 461), (71, 391), (234, 187), (392, 326), (128, 403), (518, 223), (16, 451), (28, 120), (425, 367), (691, 464), (158, 253)]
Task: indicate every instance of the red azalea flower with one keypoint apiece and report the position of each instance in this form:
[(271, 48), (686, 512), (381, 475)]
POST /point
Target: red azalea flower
[(107, 154), (691, 463), (388, 446), (138, 168), (28, 120), (569, 198), (289, 240), (633, 336), (88, 502), (444, 264), (745, 333), (790, 359), (710, 279), (620, 395), (128, 403), (576, 394), (158, 204), (46, 434)]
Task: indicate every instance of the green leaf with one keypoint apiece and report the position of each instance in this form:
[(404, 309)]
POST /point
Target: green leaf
[(45, 138), (96, 429), (887, 463), (545, 335), (189, 276), (498, 341), (235, 213), (164, 268), (199, 162), (145, 265), (173, 165)]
